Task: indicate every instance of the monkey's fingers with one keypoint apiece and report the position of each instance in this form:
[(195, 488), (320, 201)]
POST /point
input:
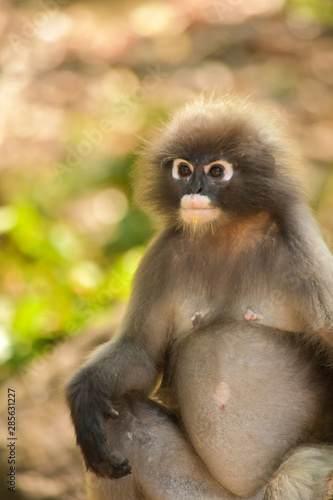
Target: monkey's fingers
[(105, 464), (96, 452), (110, 470)]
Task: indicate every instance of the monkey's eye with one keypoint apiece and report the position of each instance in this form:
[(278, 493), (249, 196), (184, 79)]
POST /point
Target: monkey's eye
[(216, 171), (221, 169), (184, 170), (181, 169)]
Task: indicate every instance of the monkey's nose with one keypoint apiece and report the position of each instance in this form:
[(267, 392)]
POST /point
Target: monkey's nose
[(196, 183), (196, 188)]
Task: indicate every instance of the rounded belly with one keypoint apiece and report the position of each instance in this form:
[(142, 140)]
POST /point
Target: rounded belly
[(245, 398)]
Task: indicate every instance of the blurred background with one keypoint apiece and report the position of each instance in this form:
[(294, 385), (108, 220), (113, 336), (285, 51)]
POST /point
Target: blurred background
[(80, 84)]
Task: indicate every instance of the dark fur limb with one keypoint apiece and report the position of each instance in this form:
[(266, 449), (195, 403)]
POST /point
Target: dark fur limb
[(90, 394)]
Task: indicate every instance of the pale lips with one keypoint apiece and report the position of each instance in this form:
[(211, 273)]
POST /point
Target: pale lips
[(197, 209)]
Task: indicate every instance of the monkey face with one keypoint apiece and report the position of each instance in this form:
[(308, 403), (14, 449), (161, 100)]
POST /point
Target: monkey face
[(213, 162), (200, 186)]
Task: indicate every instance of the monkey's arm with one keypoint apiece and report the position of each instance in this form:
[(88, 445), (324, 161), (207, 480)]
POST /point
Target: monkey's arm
[(311, 277), (131, 362), (301, 294), (116, 368)]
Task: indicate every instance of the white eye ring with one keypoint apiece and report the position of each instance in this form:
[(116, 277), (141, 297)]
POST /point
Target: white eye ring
[(227, 167), (175, 168)]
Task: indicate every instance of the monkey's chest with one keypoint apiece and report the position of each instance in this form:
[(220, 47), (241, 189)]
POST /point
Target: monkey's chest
[(198, 311), (245, 397)]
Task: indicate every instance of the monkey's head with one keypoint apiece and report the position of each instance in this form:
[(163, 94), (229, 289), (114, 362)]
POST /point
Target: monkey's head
[(216, 158)]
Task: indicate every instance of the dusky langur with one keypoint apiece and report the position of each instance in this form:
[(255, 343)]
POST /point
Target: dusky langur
[(219, 382)]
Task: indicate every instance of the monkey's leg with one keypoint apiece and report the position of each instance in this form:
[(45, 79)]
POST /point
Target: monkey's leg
[(303, 475), (164, 466)]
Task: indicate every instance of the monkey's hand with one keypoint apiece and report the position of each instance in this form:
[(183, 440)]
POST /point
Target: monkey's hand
[(90, 408)]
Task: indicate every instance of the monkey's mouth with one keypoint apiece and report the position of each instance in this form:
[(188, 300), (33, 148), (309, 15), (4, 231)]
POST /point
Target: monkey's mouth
[(197, 209)]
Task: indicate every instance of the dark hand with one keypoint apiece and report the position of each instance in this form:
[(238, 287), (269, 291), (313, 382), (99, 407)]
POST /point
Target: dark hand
[(90, 409)]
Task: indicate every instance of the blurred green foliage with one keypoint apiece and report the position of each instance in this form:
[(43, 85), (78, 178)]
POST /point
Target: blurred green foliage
[(310, 10), (55, 279)]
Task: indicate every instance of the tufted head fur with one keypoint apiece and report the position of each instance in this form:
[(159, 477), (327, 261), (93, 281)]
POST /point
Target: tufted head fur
[(231, 128)]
